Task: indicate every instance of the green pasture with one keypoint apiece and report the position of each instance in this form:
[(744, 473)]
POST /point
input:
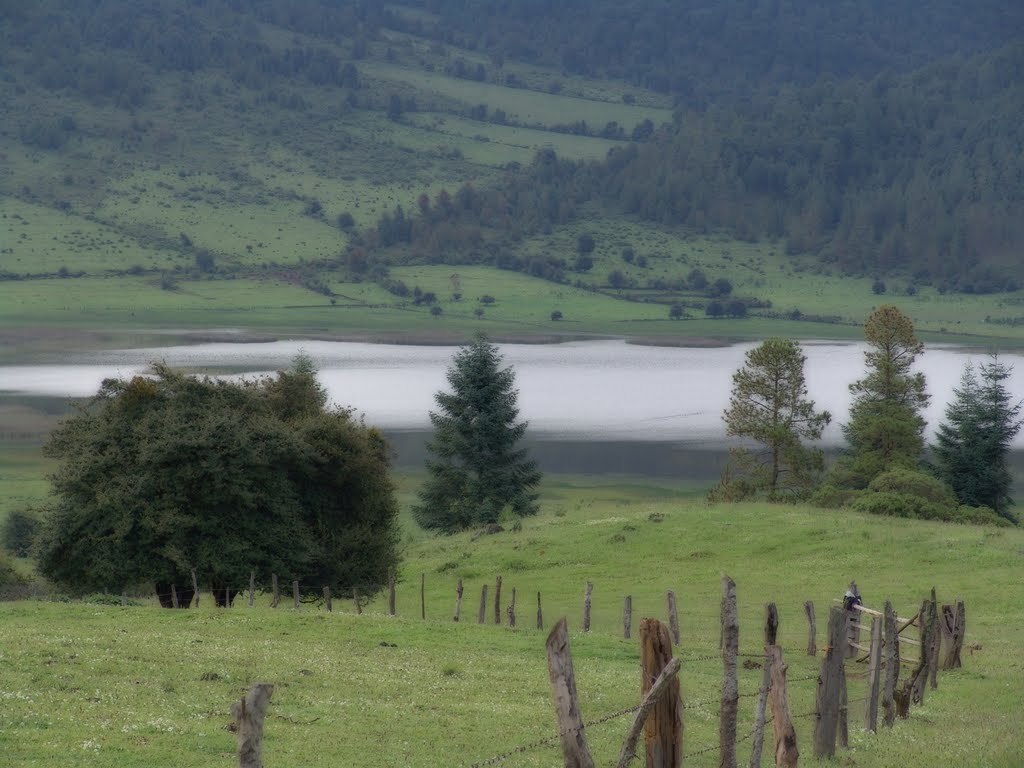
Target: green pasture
[(97, 685)]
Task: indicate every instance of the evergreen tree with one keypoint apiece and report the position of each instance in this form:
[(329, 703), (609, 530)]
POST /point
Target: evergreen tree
[(886, 429), (477, 470), (972, 444), (769, 405)]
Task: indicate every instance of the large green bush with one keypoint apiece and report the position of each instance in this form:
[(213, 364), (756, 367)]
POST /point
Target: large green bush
[(914, 483), (19, 532), (893, 504)]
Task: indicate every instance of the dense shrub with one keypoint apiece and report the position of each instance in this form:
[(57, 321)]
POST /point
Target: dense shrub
[(914, 483), (894, 504), (832, 497), (19, 532)]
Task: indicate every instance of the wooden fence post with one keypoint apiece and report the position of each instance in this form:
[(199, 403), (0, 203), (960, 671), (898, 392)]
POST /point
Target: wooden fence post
[(786, 753), (730, 686), (844, 711), (830, 683), (497, 601), (423, 596), (952, 621), (812, 629), (327, 599), (586, 606), (276, 590), (540, 614), (483, 604), (295, 594), (195, 586), (673, 616), (563, 685), (174, 597), (933, 646), (852, 624), (252, 588), (659, 689), (627, 616), (458, 599), (391, 591), (771, 630), (124, 599), (512, 610), (874, 669), (892, 665), (663, 731), (355, 599), (917, 683), (249, 713)]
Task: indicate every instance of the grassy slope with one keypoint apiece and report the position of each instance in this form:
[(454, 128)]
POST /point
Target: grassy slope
[(109, 686)]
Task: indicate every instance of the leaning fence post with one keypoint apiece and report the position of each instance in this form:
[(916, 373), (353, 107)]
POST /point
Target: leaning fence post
[(391, 591), (327, 599), (497, 601), (540, 614), (771, 630), (357, 601), (673, 616), (458, 599), (662, 688), (951, 629), (252, 588), (933, 647), (852, 623), (812, 629), (563, 685), (483, 604), (892, 665), (586, 606), (276, 590), (627, 616), (174, 597), (663, 731), (830, 683), (512, 610), (730, 686), (786, 753), (874, 668), (249, 713)]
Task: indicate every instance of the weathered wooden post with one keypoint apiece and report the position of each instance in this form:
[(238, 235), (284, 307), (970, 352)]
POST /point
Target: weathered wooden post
[(917, 683), (844, 711), (195, 586), (497, 601), (892, 665), (586, 606), (540, 614), (458, 599), (660, 689), (874, 670), (933, 646), (423, 596), (812, 629), (771, 630), (511, 610), (249, 713), (391, 591), (728, 710), (852, 598), (627, 616), (357, 601), (786, 753), (327, 599), (673, 616), (295, 594), (830, 684), (575, 751), (663, 731), (174, 597), (952, 622), (252, 588), (124, 599), (483, 604), (276, 590)]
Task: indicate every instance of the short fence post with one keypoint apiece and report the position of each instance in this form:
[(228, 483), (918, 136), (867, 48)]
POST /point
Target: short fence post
[(249, 714), (327, 598), (512, 610), (458, 599), (917, 683), (483, 604), (874, 668), (276, 590), (497, 601), (663, 731), (295, 593), (252, 588), (195, 586), (952, 619), (830, 685), (627, 616), (812, 629), (355, 599), (174, 597), (673, 616), (391, 591), (423, 596), (124, 599), (771, 629), (852, 624), (730, 686), (933, 646), (786, 753), (540, 614), (660, 690), (586, 606), (575, 751), (892, 665)]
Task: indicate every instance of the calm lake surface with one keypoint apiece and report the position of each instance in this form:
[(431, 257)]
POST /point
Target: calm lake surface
[(590, 391)]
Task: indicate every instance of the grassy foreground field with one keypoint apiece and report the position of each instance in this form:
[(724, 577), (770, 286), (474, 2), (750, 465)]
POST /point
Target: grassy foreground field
[(95, 685)]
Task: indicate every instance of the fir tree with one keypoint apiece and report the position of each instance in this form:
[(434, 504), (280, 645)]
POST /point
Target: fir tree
[(477, 470), (972, 444)]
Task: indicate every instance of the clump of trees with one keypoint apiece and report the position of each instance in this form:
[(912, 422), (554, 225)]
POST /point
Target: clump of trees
[(478, 469), (165, 474)]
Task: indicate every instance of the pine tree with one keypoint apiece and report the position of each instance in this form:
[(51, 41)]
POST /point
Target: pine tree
[(477, 470), (886, 428), (769, 405), (972, 444)]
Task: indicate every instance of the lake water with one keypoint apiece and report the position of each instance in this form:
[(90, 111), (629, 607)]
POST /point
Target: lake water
[(581, 391)]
